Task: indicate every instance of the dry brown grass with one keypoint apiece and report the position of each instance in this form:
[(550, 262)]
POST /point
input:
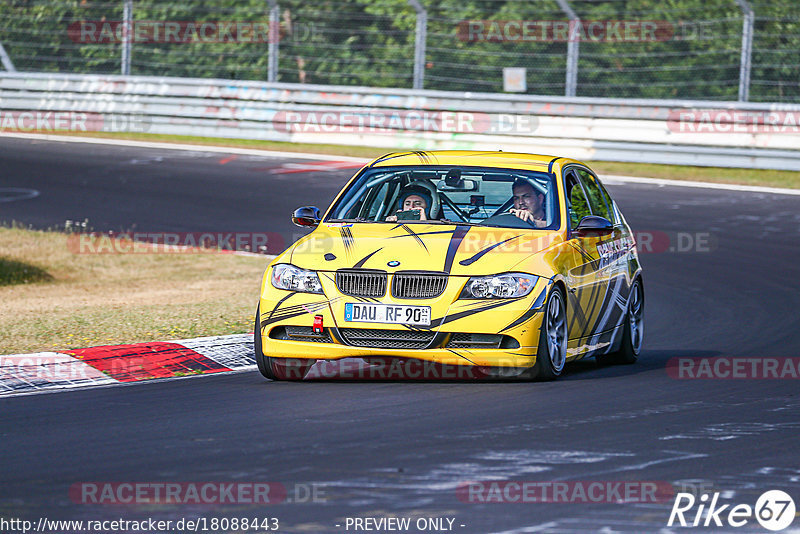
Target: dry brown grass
[(98, 299)]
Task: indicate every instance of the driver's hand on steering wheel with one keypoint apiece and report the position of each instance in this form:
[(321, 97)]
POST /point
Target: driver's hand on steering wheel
[(527, 216)]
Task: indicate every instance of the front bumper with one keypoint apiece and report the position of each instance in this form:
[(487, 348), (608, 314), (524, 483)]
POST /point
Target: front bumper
[(517, 320), (522, 357)]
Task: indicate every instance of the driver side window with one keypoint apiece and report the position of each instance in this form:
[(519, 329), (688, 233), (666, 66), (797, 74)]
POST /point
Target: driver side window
[(600, 203), (578, 205)]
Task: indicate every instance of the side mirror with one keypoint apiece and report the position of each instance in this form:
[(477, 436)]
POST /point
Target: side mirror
[(306, 216), (593, 225)]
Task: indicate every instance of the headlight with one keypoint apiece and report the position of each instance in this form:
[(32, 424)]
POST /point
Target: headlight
[(292, 278), (504, 286)]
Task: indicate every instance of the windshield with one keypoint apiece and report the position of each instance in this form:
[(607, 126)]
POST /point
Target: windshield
[(507, 198)]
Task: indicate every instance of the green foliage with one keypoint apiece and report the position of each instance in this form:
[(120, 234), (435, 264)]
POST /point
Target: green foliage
[(371, 43), (16, 272)]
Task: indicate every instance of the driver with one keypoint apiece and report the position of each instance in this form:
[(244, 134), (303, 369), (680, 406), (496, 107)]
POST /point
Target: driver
[(414, 198), (528, 204)]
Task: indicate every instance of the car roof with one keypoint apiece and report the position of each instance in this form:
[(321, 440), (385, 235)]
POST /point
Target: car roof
[(473, 158)]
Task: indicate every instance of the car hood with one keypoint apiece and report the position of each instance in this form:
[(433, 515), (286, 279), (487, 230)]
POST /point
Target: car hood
[(459, 250)]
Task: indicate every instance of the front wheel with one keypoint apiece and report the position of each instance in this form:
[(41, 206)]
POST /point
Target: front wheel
[(551, 355), (276, 368), (633, 329), (264, 362)]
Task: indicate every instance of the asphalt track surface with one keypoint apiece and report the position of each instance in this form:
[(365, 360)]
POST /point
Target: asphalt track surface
[(380, 449)]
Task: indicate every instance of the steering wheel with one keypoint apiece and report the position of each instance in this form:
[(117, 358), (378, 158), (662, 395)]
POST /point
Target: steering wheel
[(509, 221), (508, 204)]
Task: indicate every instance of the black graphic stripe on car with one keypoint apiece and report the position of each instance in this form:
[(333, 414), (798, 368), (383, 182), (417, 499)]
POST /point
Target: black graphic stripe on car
[(535, 307), (298, 310), (480, 254), (423, 157), (452, 247), (415, 236), (347, 239), (467, 313), (612, 301), (360, 263), (278, 305), (460, 355), (575, 305), (391, 155), (288, 313)]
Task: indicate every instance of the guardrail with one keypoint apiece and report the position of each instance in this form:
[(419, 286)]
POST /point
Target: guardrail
[(725, 134)]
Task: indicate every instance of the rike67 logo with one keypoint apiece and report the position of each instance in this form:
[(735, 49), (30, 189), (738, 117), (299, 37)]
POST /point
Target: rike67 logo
[(774, 510)]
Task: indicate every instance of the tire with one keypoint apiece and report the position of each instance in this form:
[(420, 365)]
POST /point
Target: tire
[(632, 330), (551, 355), (264, 362), (276, 368)]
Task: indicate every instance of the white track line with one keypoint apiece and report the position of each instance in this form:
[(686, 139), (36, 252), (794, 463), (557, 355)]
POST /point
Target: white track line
[(332, 157)]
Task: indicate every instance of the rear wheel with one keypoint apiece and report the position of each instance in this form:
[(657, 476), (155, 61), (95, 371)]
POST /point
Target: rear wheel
[(276, 368), (633, 330), (551, 355)]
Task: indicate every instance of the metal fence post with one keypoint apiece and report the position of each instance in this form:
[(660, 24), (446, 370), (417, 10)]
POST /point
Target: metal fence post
[(747, 50), (419, 43), (7, 63), (127, 36), (274, 36), (573, 48)]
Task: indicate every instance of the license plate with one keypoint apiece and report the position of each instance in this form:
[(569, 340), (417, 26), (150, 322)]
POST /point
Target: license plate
[(387, 313)]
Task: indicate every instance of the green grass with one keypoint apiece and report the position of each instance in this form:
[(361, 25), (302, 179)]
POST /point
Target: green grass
[(14, 272), (768, 178)]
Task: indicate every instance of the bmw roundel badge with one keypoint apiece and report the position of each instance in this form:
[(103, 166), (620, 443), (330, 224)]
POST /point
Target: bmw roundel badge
[(393, 263)]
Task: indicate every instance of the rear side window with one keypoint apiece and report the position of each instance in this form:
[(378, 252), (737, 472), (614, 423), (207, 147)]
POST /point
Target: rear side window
[(598, 198)]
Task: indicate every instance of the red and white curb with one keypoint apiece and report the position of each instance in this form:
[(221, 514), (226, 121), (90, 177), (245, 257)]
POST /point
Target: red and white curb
[(41, 372)]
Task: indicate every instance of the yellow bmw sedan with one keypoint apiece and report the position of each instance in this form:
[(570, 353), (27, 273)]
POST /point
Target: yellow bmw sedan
[(514, 264)]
